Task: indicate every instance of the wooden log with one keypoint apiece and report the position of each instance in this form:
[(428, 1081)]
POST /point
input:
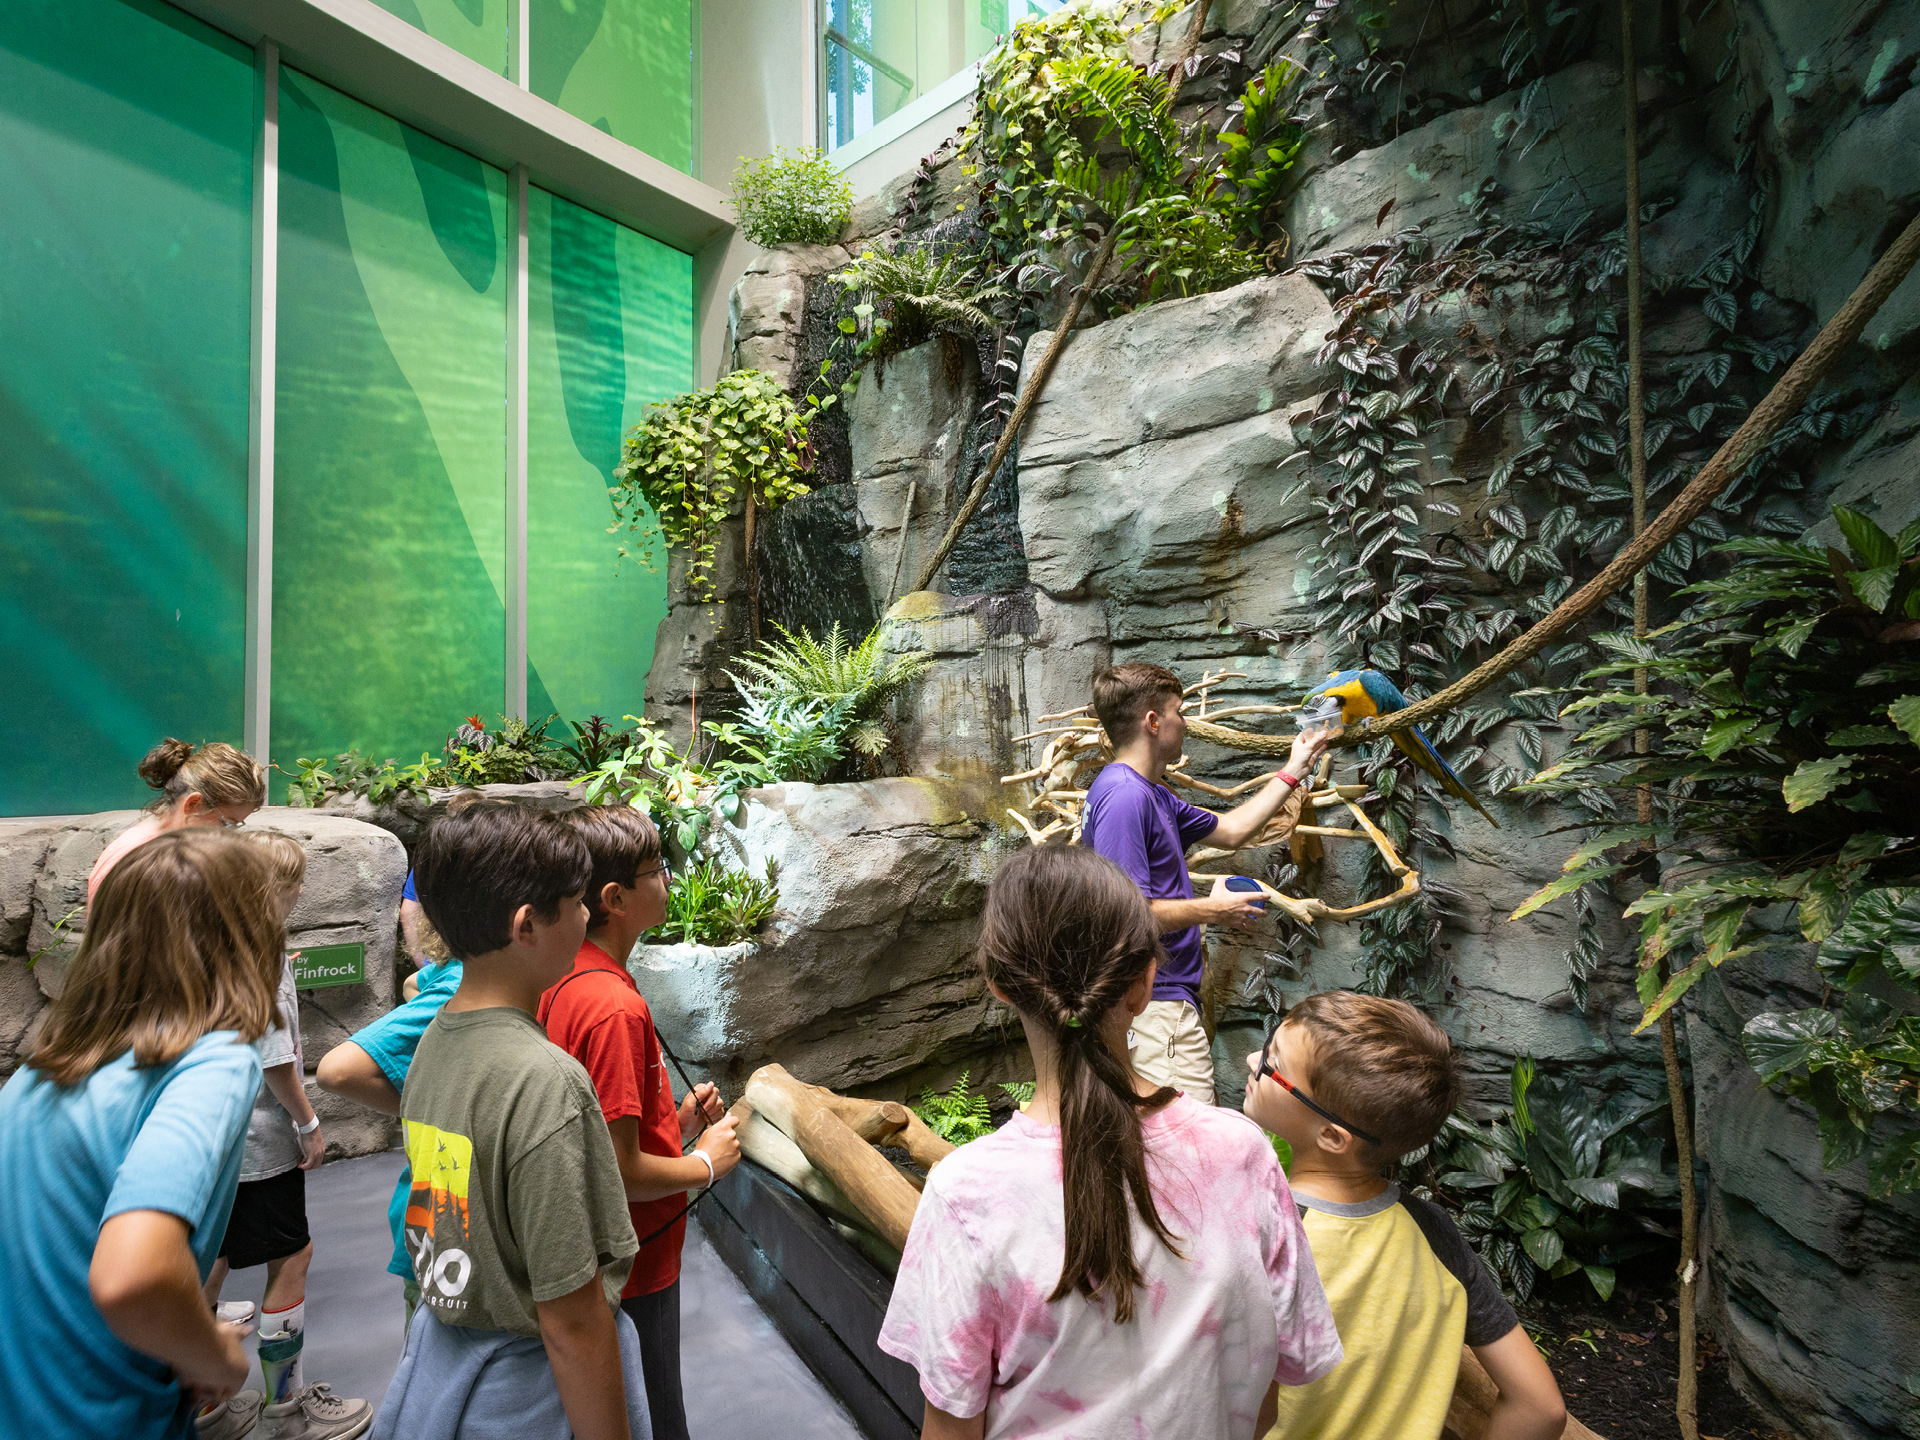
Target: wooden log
[(763, 1142), (923, 1147), (1474, 1394), (883, 1198), (874, 1121)]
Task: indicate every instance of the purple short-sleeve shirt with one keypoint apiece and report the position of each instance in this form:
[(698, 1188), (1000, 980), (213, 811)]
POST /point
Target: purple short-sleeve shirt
[(1146, 830)]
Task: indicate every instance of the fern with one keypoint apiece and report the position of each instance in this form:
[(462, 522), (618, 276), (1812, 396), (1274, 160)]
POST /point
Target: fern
[(807, 670), (1127, 103), (910, 295), (957, 1116)]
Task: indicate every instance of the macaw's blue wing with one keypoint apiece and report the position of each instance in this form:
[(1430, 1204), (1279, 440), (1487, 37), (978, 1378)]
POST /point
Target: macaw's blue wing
[(1383, 692), (1414, 744)]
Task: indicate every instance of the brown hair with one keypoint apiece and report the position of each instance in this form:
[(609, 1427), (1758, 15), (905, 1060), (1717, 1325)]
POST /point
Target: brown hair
[(1381, 1064), (478, 865), (1066, 933), (621, 840), (1124, 693), (286, 861), (182, 938), (219, 773)]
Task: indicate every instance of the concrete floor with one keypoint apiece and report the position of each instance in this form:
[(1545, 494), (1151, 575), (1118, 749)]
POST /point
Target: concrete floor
[(740, 1376)]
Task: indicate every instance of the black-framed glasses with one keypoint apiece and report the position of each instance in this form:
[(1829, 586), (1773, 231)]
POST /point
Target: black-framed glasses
[(663, 868), (1267, 1068)]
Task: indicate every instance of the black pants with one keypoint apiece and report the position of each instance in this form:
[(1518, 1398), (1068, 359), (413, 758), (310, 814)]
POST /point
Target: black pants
[(657, 1318)]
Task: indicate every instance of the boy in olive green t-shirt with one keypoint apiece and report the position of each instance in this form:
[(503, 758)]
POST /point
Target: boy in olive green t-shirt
[(517, 1219)]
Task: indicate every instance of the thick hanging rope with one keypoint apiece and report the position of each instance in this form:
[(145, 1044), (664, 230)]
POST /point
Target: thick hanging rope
[(1779, 406)]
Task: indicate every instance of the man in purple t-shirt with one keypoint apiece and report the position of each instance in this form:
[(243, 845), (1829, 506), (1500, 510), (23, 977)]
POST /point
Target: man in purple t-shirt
[(1134, 820)]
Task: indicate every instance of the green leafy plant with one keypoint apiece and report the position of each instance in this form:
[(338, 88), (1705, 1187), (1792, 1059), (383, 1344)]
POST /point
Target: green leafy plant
[(781, 737), (1070, 139), (649, 774), (958, 1115), (56, 936), (594, 743), (1557, 1185), (791, 197), (1782, 723), (910, 294), (803, 670), (693, 456), (351, 773), (1860, 1062), (513, 754), (711, 904)]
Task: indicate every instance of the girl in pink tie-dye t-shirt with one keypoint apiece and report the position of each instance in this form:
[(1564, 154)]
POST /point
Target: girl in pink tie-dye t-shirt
[(1118, 1261)]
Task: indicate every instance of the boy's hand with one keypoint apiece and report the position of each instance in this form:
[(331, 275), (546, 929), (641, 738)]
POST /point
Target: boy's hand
[(700, 1107), (721, 1145), (1234, 908), (313, 1149)]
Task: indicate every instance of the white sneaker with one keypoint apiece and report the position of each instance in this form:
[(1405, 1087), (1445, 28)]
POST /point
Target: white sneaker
[(314, 1412), (232, 1420), (237, 1312)]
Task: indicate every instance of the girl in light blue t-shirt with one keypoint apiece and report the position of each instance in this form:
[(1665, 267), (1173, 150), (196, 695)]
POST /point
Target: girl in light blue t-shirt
[(121, 1137)]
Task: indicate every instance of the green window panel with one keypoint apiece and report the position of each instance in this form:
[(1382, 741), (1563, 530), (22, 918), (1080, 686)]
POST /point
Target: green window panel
[(125, 254), (611, 330), (390, 478), (479, 29), (625, 66)]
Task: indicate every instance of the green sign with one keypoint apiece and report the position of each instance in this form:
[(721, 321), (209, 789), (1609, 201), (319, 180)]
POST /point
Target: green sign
[(318, 966)]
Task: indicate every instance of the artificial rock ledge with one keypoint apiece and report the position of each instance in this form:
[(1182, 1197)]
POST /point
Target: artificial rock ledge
[(865, 978), (352, 895)]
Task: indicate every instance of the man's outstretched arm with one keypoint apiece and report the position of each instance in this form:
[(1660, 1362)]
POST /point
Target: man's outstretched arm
[(1249, 818)]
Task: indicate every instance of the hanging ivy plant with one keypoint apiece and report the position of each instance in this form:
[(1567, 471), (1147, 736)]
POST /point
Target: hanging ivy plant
[(693, 456)]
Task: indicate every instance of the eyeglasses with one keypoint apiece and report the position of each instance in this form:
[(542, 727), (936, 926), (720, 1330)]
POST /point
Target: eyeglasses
[(225, 823), (663, 868), (1267, 1068)]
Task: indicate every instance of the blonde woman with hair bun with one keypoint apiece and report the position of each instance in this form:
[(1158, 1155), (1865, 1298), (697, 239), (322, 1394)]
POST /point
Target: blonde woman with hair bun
[(212, 784)]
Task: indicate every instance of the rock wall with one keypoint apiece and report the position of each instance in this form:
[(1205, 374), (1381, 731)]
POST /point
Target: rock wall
[(1154, 516), (864, 978), (351, 896)]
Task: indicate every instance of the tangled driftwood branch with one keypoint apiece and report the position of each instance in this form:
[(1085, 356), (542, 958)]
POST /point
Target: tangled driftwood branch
[(1077, 747)]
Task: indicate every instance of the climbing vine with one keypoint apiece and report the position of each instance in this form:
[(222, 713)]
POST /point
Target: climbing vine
[(692, 457)]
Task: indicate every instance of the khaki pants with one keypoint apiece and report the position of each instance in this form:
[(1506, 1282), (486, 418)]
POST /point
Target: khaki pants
[(1170, 1048)]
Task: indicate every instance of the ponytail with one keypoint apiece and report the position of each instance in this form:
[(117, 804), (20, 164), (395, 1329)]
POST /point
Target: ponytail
[(1066, 934)]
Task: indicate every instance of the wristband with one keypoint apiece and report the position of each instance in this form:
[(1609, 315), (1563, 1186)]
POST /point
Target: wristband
[(1292, 781), (308, 1128), (707, 1159)]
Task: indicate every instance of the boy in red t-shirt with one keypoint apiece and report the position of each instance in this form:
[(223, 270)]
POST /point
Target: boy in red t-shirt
[(597, 1015)]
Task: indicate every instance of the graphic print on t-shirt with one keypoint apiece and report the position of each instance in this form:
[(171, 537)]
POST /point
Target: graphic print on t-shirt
[(436, 1220)]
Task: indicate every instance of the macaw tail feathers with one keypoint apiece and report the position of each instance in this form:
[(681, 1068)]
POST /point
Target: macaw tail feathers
[(1455, 787)]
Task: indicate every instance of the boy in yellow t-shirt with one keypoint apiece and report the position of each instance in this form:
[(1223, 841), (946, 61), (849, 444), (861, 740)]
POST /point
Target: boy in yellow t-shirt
[(1353, 1082)]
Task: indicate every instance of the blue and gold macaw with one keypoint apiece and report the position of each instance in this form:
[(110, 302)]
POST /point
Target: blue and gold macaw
[(1367, 692)]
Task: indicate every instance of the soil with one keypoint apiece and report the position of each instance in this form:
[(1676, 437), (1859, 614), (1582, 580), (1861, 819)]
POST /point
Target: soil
[(1618, 1362)]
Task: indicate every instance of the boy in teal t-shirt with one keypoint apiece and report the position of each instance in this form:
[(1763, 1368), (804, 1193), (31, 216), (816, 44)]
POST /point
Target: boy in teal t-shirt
[(372, 1068)]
